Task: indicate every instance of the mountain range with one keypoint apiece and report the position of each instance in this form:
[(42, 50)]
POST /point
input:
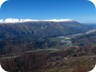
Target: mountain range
[(32, 35), (41, 28)]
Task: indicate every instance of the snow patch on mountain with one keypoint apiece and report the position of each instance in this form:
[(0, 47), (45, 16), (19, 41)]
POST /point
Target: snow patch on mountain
[(14, 20)]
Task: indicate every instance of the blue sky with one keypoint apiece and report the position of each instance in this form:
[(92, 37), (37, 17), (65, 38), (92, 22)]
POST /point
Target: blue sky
[(80, 10)]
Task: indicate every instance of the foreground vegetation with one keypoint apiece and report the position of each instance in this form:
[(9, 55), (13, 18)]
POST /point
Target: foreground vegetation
[(48, 61)]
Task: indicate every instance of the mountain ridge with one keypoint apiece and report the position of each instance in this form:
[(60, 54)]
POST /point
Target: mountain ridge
[(43, 28)]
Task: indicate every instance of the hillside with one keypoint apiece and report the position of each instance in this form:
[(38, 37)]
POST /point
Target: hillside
[(50, 61), (87, 39)]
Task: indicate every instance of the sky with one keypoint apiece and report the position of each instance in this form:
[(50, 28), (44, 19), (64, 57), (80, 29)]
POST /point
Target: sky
[(79, 10)]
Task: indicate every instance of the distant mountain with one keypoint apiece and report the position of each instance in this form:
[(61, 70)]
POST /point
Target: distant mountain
[(41, 28), (29, 35)]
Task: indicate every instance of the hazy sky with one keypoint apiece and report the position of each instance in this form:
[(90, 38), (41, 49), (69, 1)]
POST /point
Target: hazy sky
[(80, 10)]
